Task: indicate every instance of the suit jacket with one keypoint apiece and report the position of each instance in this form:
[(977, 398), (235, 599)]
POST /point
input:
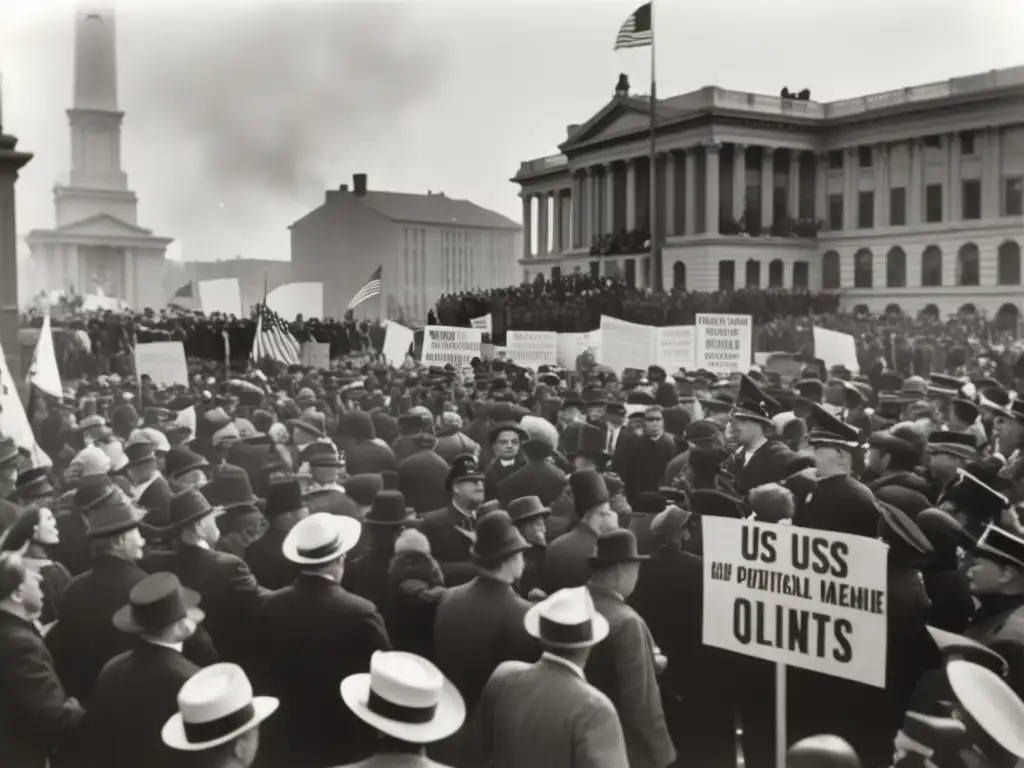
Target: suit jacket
[(478, 626), (622, 667), (535, 478), (497, 472), (770, 463), (229, 592), (312, 635), (643, 463), (546, 714), (423, 476), (72, 551), (36, 715), (156, 500), (565, 563), (451, 535), (267, 562), (135, 694)]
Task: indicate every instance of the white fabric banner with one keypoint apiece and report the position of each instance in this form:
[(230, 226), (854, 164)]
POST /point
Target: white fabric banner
[(724, 343), (444, 344), (224, 296), (532, 349), (44, 373), (807, 598)]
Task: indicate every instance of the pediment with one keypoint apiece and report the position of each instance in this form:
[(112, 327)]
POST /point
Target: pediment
[(620, 117), (103, 225)]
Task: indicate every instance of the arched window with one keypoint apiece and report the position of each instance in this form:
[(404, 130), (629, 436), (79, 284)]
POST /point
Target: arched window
[(753, 273), (1009, 263), (930, 312), (801, 273), (967, 265), (861, 310), (726, 275), (1008, 317), (931, 267), (893, 309), (896, 268), (830, 271), (679, 275), (863, 269), (776, 273)]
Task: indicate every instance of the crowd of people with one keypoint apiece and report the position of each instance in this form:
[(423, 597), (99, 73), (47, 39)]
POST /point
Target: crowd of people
[(495, 566)]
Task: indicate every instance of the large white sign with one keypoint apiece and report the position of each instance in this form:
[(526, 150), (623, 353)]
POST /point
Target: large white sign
[(531, 349), (224, 296), (836, 348), (572, 345), (724, 343), (444, 344), (807, 598), (676, 347), (163, 361), (631, 345), (397, 340)]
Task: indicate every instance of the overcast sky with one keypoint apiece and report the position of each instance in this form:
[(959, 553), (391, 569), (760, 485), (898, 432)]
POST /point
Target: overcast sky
[(239, 115)]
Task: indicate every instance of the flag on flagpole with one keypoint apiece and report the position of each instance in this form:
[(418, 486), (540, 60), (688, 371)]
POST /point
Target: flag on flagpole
[(44, 373), (368, 291), (273, 339), (637, 31)]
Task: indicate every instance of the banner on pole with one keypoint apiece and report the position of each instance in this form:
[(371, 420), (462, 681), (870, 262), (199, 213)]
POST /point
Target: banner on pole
[(444, 344), (797, 596), (531, 349)]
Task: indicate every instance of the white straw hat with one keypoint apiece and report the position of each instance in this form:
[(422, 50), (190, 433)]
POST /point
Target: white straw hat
[(989, 702), (567, 619), (215, 706), (321, 538), (406, 697)]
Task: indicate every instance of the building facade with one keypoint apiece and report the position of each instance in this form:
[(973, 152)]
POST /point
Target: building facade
[(97, 246), (910, 198), (426, 245)]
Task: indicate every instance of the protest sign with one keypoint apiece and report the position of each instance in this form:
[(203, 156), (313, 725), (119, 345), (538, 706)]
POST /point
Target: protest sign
[(724, 343), (315, 354), (571, 345), (836, 348), (631, 345), (801, 597), (397, 340), (675, 347), (224, 296), (444, 344), (531, 349), (482, 323), (163, 362)]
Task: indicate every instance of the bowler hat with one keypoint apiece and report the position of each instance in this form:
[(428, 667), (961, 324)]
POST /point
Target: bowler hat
[(894, 522), (139, 453), (464, 467), (615, 548), (962, 445), (324, 454), (157, 602), (588, 490), (230, 488), (284, 496), (527, 508), (112, 516), (389, 509), (588, 441), (364, 487), (33, 484), (497, 538), (181, 459), (187, 507)]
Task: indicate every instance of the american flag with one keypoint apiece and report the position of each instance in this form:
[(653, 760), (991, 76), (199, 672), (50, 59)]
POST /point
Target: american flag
[(273, 339), (368, 291), (637, 32)]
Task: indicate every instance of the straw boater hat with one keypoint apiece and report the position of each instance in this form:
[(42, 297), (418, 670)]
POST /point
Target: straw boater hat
[(321, 538), (215, 706), (406, 697), (567, 619)]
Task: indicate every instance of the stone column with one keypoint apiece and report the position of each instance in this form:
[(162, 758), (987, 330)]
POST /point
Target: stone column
[(11, 161), (542, 224), (793, 189), (712, 204), (914, 198), (954, 209), (850, 171), (820, 187), (690, 212), (527, 225), (589, 225), (991, 176), (767, 187), (630, 195), (739, 180), (670, 194), (882, 184), (556, 239), (609, 198), (600, 227), (577, 210)]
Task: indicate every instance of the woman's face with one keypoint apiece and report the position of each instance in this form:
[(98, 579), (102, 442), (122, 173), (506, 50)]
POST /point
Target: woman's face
[(46, 529)]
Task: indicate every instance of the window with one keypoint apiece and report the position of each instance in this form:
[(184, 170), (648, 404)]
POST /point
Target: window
[(896, 269), (967, 267), (835, 212), (970, 201), (830, 270), (753, 273), (556, 273), (776, 273), (679, 275), (931, 267), (933, 203), (1013, 197), (898, 207), (726, 275), (801, 272), (866, 210), (835, 160), (931, 141), (595, 269), (863, 269), (631, 273), (864, 155), (1009, 263), (966, 142)]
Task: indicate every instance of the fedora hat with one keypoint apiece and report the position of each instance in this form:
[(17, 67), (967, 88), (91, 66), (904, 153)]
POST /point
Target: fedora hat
[(181, 459), (990, 703), (388, 508), (33, 484), (588, 441), (406, 697), (156, 602), (464, 467), (139, 453), (93, 490), (615, 548), (188, 506), (113, 515), (284, 496), (324, 455), (230, 488), (567, 619), (364, 487), (527, 508), (497, 538), (320, 538), (215, 706)]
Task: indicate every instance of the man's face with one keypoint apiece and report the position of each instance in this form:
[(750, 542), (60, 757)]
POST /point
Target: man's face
[(654, 425), (506, 445), (637, 425), (876, 460), (534, 530), (745, 432), (987, 577), (595, 413), (1008, 432), (30, 592), (470, 491), (826, 460), (620, 505), (194, 478), (606, 519), (615, 419), (325, 475), (133, 544)]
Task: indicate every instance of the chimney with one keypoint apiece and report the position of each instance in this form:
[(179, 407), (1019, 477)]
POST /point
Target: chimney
[(571, 129), (343, 187), (359, 184), (622, 87)]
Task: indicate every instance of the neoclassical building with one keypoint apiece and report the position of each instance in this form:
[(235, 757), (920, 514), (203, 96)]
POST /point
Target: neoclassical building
[(911, 197)]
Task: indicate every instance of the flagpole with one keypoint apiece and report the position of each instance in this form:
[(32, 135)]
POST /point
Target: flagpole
[(653, 202)]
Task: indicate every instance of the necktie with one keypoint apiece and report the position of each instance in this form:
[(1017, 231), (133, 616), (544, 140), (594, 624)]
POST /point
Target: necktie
[(741, 461), (610, 448)]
